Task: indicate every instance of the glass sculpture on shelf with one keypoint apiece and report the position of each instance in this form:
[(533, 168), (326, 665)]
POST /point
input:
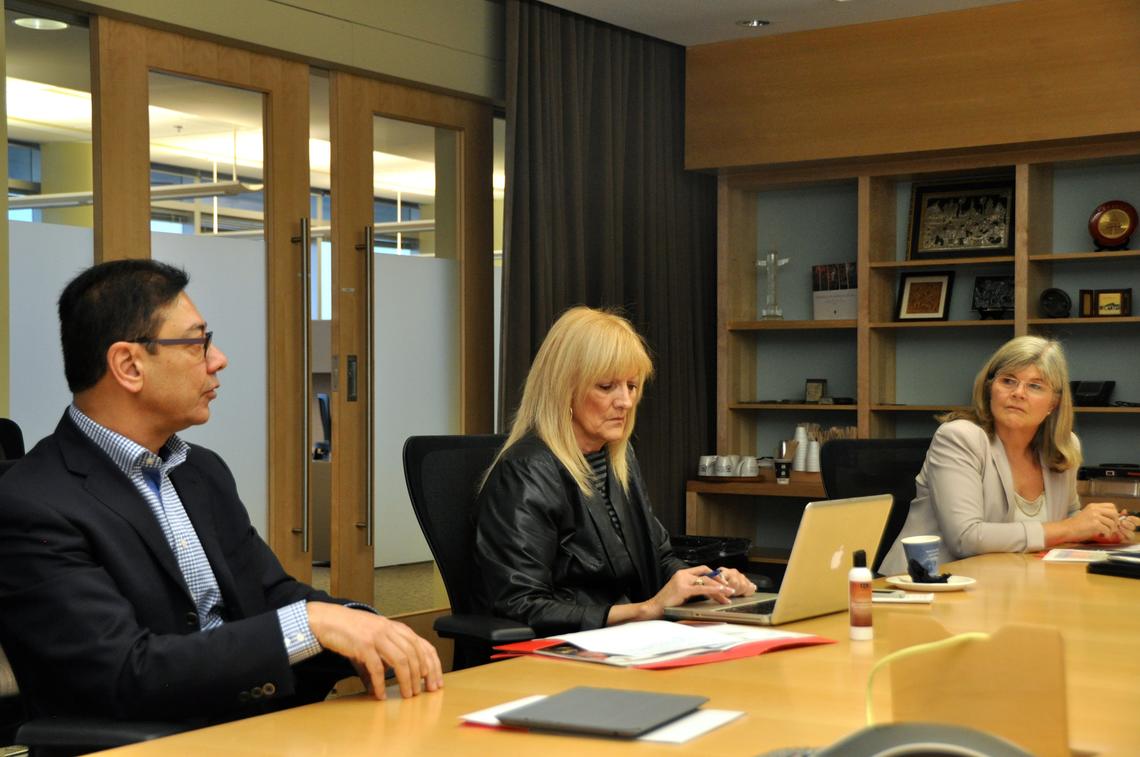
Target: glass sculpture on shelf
[(771, 264)]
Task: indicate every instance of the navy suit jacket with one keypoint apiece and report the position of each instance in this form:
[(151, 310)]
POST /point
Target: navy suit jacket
[(95, 615)]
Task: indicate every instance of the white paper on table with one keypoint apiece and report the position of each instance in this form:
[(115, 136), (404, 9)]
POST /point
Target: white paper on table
[(647, 638), (689, 727), (678, 732), (650, 638)]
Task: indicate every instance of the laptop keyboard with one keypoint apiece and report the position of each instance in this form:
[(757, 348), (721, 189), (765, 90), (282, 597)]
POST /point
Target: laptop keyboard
[(759, 608)]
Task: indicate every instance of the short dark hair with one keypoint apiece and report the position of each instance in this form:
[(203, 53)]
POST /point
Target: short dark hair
[(107, 303)]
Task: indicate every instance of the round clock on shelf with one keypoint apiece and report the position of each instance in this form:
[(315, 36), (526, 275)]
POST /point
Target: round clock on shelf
[(1111, 224), (1055, 303)]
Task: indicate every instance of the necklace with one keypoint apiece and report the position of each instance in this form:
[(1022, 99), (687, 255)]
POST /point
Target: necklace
[(1027, 507)]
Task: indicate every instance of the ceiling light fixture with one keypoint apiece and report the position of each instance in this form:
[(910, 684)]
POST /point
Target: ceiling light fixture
[(753, 23), (40, 24), (160, 192)]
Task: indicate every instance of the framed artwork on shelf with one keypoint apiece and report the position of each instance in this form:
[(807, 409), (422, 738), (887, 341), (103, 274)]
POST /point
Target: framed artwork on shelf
[(815, 390), (993, 296), (1105, 303), (961, 220), (924, 296)]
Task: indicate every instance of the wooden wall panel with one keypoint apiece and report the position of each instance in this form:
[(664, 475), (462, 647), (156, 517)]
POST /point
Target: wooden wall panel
[(120, 130), (1028, 71)]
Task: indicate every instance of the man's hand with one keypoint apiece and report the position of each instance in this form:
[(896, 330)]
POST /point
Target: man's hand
[(372, 642)]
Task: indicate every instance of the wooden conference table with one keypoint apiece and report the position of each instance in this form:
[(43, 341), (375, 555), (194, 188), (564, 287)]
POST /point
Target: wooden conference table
[(800, 697)]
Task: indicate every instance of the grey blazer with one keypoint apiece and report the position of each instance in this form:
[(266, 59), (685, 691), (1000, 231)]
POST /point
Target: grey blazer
[(965, 495)]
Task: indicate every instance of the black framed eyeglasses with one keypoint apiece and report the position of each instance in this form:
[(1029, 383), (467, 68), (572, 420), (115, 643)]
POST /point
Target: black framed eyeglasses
[(203, 340)]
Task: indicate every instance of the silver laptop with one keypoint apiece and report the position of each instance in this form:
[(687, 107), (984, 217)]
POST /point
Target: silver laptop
[(815, 582)]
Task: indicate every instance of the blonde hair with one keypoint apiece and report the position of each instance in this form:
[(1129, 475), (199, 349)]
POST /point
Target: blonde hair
[(1054, 437), (584, 346)]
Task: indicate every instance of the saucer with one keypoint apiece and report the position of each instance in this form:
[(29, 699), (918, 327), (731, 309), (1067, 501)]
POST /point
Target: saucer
[(956, 583)]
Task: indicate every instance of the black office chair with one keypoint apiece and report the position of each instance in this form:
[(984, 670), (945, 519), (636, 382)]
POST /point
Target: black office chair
[(443, 475), (56, 736), (860, 467), (11, 439)]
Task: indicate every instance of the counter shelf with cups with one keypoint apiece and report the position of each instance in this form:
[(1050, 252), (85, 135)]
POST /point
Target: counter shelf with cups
[(720, 501)]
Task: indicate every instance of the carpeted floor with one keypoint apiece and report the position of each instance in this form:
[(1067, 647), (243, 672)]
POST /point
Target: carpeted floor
[(399, 588)]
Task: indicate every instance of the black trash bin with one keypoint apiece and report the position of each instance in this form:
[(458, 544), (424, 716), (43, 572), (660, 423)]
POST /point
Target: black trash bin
[(720, 552), (713, 551)]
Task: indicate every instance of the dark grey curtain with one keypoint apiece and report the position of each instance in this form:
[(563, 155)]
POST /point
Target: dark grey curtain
[(599, 211)]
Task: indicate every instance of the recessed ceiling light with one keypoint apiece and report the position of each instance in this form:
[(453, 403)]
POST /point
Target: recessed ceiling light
[(753, 23), (40, 24)]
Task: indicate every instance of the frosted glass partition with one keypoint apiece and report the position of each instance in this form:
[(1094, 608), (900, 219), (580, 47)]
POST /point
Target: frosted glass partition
[(417, 385), (227, 283), (42, 258)]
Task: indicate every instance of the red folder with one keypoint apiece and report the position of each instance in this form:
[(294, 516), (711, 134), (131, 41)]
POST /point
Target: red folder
[(747, 649)]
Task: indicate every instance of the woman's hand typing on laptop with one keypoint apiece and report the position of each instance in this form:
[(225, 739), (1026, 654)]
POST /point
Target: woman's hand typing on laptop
[(735, 580), (688, 583)]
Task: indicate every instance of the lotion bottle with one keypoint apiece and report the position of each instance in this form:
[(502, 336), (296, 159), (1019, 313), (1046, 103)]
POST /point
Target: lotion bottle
[(859, 588)]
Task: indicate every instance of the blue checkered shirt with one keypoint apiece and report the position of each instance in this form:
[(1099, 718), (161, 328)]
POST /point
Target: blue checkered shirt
[(150, 475)]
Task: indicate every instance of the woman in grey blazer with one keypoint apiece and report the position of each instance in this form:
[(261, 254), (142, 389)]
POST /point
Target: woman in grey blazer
[(1002, 475)]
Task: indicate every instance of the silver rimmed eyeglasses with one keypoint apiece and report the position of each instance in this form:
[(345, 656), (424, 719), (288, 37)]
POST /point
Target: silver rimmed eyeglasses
[(1010, 384), (203, 340)]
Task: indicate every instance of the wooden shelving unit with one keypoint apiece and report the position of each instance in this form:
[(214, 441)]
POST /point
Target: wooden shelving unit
[(791, 325), (888, 401)]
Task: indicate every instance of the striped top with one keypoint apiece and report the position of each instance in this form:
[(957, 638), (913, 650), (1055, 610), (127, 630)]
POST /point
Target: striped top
[(600, 465)]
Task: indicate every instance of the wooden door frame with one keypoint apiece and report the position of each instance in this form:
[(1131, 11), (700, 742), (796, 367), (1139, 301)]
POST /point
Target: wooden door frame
[(354, 101), (122, 55)]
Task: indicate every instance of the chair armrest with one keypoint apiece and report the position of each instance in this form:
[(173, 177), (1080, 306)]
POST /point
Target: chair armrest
[(485, 628), (89, 734)]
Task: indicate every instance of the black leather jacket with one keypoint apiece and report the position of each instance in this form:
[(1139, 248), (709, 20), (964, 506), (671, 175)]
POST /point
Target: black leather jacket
[(549, 555)]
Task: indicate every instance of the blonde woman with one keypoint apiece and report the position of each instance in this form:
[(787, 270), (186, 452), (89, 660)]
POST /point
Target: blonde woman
[(1002, 475), (565, 537)]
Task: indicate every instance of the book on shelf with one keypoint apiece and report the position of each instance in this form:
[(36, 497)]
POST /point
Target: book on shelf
[(835, 293)]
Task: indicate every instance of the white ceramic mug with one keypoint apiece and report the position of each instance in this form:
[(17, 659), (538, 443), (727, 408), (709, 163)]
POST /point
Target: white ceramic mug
[(748, 467), (726, 465), (706, 466)]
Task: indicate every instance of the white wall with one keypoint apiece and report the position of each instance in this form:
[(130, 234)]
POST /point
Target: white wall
[(416, 338), (227, 284), (42, 258)]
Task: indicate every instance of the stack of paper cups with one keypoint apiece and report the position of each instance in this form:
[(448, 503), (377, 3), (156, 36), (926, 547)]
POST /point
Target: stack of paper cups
[(799, 463), (813, 456)]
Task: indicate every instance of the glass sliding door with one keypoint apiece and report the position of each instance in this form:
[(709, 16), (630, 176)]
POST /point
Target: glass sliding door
[(207, 216), (412, 320), (415, 320), (201, 159)]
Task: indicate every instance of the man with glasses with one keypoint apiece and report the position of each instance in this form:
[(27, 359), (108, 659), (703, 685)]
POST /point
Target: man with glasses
[(132, 584)]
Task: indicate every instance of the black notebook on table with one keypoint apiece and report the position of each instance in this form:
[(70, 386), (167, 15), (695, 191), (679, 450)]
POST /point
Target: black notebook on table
[(1111, 567), (602, 712)]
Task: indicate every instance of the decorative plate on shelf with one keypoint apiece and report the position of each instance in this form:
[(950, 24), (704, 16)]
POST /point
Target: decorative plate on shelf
[(1056, 303), (954, 583), (1112, 223)]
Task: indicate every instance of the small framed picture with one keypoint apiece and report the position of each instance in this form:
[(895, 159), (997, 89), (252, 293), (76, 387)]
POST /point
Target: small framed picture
[(815, 390), (1113, 302), (993, 296), (1085, 307), (961, 219), (924, 296)]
